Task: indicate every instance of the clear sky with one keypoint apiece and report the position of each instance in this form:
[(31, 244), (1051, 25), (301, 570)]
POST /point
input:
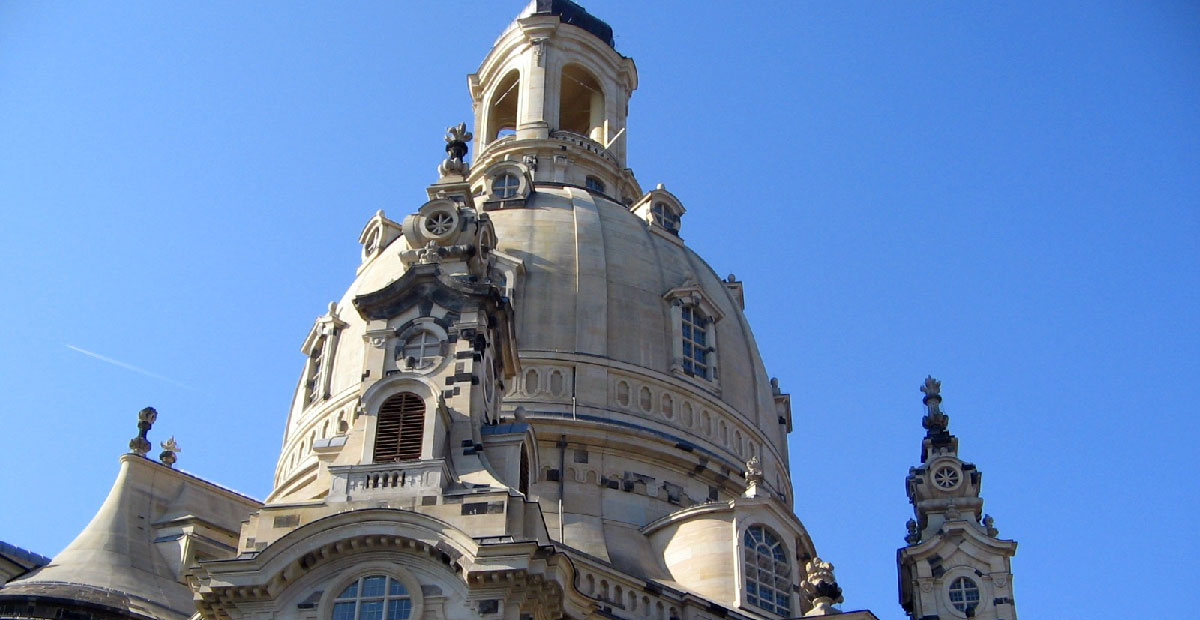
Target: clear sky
[(1005, 195)]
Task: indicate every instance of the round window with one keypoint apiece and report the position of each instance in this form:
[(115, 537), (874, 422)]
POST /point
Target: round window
[(440, 223), (946, 477), (964, 594), (419, 351), (374, 597)]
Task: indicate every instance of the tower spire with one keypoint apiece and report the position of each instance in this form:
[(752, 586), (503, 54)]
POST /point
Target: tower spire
[(954, 565)]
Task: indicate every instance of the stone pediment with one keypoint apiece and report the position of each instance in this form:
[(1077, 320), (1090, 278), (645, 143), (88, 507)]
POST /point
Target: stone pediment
[(423, 283)]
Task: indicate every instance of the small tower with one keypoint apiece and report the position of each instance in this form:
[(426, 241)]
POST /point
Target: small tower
[(954, 566)]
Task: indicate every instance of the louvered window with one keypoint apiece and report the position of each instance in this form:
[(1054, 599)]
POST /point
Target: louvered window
[(400, 427)]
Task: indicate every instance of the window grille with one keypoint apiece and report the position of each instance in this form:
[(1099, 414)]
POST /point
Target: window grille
[(400, 428), (374, 597), (768, 572)]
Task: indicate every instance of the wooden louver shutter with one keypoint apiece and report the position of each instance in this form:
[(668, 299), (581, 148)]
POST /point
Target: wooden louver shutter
[(400, 427)]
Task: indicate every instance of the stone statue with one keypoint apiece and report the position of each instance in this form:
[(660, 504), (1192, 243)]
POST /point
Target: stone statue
[(990, 524), (140, 445), (935, 421), (456, 149), (170, 448), (821, 586)]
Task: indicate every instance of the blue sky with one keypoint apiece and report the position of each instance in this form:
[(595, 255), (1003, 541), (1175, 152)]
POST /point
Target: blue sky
[(1004, 195)]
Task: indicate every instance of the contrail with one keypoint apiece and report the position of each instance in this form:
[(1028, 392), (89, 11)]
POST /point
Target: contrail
[(127, 366)]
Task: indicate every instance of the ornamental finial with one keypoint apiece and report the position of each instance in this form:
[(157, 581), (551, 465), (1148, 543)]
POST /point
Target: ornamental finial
[(935, 421), (822, 587), (140, 445), (456, 149), (170, 447)]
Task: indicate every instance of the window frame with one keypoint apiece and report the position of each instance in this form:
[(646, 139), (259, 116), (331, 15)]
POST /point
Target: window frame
[(691, 296), (510, 188), (773, 558), (974, 585)]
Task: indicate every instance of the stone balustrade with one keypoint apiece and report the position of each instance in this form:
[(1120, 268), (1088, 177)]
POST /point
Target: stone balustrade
[(388, 480)]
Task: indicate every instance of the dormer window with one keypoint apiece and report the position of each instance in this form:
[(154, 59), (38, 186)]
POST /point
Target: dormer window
[(313, 384), (594, 184), (664, 216), (319, 347), (662, 211), (694, 318), (505, 186)]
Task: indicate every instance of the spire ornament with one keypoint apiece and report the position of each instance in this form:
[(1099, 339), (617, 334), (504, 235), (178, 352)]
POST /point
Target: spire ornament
[(935, 420), (456, 149), (140, 445), (170, 448)]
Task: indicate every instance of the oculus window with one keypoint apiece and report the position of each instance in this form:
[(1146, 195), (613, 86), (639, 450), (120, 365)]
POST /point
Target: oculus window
[(964, 594), (419, 351)]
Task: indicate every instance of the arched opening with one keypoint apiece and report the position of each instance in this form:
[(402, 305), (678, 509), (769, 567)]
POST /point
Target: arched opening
[(502, 116), (581, 104), (400, 428)]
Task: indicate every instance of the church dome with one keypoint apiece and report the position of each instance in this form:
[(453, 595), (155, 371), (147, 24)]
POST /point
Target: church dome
[(539, 325)]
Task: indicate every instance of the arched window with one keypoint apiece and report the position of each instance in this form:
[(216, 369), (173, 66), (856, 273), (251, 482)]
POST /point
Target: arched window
[(374, 597), (581, 104), (964, 594), (695, 342), (768, 572), (502, 116), (400, 428), (505, 186)]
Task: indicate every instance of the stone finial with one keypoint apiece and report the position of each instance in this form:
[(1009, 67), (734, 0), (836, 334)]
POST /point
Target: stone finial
[(140, 445), (935, 421), (914, 534), (456, 149), (170, 448), (821, 586)]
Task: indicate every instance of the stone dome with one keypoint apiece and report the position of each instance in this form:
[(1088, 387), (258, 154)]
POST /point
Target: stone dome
[(595, 333)]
